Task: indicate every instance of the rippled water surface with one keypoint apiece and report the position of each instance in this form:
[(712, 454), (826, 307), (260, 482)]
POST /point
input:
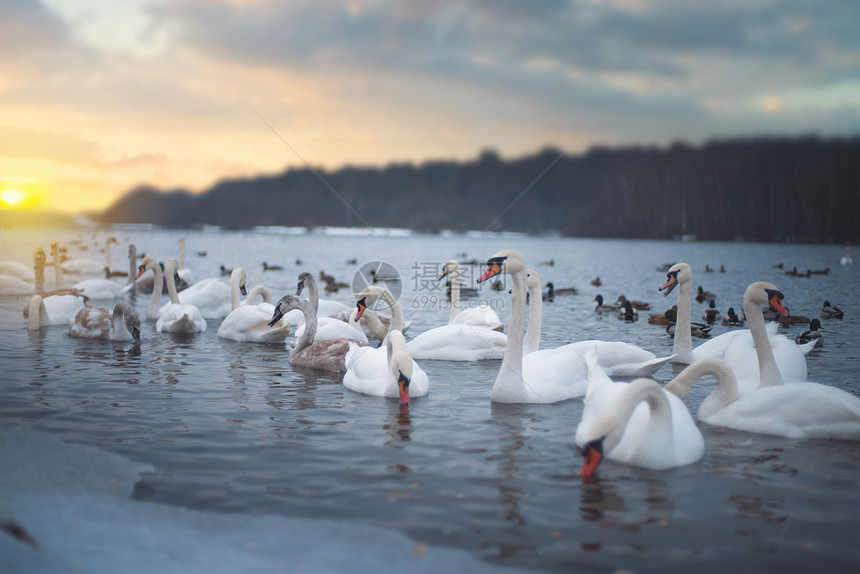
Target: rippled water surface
[(233, 428)]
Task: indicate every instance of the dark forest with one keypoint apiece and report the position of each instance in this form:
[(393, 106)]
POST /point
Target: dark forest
[(776, 189)]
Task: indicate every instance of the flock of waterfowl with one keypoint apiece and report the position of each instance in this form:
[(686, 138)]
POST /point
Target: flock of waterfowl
[(761, 376)]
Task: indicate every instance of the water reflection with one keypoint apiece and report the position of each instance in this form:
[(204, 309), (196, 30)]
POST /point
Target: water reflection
[(601, 502), (510, 443), (398, 424)]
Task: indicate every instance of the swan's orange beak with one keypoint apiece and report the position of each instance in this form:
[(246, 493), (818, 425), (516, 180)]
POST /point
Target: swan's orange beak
[(775, 299), (361, 306), (593, 453), (671, 283), (140, 271), (494, 267), (403, 386)]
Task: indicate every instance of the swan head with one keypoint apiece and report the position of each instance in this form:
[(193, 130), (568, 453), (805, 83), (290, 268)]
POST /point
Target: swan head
[(285, 304), (238, 275), (678, 273), (764, 293), (145, 265), (370, 295), (592, 453), (305, 280), (130, 319), (39, 257), (451, 267), (508, 261), (400, 363)]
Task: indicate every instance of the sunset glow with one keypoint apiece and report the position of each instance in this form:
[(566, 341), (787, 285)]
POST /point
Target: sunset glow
[(12, 197), (98, 99)]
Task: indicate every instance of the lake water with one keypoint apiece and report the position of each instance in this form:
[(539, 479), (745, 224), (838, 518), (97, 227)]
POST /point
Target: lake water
[(231, 429)]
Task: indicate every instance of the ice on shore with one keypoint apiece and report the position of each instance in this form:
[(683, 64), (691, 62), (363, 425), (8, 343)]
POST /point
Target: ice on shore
[(74, 501)]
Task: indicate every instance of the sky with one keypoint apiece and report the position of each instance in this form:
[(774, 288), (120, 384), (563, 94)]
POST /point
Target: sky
[(99, 96)]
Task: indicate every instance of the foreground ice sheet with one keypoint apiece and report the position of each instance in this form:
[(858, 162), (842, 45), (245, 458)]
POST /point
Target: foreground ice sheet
[(74, 501)]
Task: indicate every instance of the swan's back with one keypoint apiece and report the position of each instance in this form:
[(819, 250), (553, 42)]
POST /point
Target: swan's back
[(458, 343), (326, 355), (210, 296), (250, 324), (180, 319)]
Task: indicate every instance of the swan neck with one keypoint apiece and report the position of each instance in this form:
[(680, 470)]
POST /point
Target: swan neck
[(34, 317), (683, 343), (532, 339), (157, 290), (768, 371), (39, 278), (132, 260), (307, 337), (396, 311), (621, 410), (235, 279), (377, 327), (58, 271), (169, 269), (727, 385), (511, 372), (313, 295), (455, 292)]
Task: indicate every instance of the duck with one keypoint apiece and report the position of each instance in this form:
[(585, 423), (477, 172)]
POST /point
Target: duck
[(542, 376), (711, 315), (702, 295), (627, 313), (177, 317), (377, 278), (604, 307), (119, 324), (829, 311), (699, 330), (335, 286), (596, 281), (328, 355), (743, 350), (637, 305), (614, 426), (846, 259), (800, 410), (387, 371), (552, 291), (792, 320), (731, 319), (811, 334), (480, 315), (249, 323), (615, 358), (226, 271), (664, 318), (267, 267), (325, 277)]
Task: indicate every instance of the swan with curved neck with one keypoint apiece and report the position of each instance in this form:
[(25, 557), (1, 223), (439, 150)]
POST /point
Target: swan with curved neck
[(662, 438), (387, 371), (795, 410), (176, 317), (480, 316), (248, 323), (542, 376), (150, 264), (119, 324), (618, 359), (758, 356), (325, 355)]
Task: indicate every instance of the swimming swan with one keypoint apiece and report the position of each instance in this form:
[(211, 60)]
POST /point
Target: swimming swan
[(249, 323), (540, 376), (479, 316), (642, 425), (176, 317), (794, 410), (121, 324)]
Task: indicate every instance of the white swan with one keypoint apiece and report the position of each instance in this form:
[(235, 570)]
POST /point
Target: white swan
[(176, 317), (16, 269), (91, 266), (617, 358), (739, 347), (248, 323), (13, 286), (540, 376), (325, 355), (640, 424), (794, 410), (102, 289), (387, 371), (479, 316), (52, 310), (154, 307), (121, 324), (846, 259), (210, 296)]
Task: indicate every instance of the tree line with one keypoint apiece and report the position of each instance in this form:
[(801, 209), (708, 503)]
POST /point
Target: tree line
[(762, 189)]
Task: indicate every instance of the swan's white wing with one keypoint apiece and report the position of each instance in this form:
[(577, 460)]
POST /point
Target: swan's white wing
[(250, 324), (795, 410), (213, 299), (480, 316), (554, 376), (100, 289), (180, 319), (17, 269), (62, 308), (331, 328), (458, 343)]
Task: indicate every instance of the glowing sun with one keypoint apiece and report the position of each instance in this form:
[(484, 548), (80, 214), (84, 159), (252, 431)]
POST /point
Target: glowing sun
[(12, 197)]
